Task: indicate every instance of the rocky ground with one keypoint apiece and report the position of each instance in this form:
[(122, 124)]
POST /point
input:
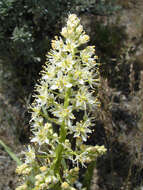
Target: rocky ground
[(8, 178)]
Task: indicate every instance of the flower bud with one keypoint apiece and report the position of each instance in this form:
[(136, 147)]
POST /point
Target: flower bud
[(83, 39), (64, 32), (65, 185), (79, 29)]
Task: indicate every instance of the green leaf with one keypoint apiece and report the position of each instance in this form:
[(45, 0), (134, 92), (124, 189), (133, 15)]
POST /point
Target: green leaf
[(11, 154)]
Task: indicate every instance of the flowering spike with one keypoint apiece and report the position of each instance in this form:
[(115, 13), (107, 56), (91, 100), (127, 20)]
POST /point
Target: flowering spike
[(65, 89)]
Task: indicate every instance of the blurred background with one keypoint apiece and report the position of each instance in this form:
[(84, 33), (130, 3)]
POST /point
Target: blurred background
[(116, 29)]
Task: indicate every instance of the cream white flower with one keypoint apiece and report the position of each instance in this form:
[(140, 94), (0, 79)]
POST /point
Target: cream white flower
[(65, 185), (66, 64), (51, 179), (84, 98), (82, 129), (61, 82), (44, 134), (30, 155), (63, 113), (23, 169)]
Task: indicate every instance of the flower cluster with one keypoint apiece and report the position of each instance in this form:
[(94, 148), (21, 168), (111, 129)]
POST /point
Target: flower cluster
[(62, 113)]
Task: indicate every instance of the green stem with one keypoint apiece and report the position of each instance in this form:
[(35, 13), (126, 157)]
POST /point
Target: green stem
[(63, 134)]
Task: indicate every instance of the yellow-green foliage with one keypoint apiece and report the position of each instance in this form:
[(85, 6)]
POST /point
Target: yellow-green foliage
[(65, 89)]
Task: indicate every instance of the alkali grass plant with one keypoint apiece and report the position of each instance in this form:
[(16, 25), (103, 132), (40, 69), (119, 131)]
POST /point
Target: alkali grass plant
[(62, 117)]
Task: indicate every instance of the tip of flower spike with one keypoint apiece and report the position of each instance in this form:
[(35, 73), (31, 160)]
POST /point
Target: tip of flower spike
[(73, 17), (73, 23)]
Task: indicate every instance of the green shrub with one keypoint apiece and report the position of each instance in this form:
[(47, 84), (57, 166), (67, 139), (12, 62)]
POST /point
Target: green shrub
[(26, 26)]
